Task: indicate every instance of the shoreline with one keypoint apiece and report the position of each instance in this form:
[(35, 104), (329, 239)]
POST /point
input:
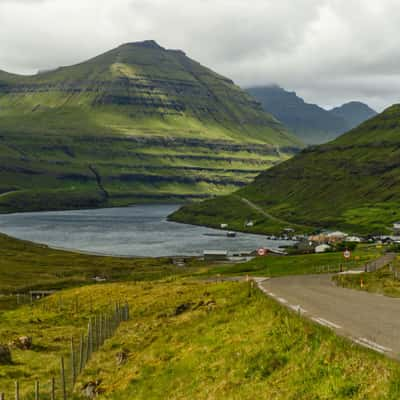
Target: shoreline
[(195, 253)]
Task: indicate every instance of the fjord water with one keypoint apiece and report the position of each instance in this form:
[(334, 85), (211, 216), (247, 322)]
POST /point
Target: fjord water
[(141, 231)]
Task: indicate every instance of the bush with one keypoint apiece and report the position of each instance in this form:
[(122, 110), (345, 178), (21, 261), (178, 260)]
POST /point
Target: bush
[(342, 246), (5, 355), (394, 248)]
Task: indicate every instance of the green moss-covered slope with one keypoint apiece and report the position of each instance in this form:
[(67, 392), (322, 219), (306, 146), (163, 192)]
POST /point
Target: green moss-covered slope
[(352, 183), (137, 123)]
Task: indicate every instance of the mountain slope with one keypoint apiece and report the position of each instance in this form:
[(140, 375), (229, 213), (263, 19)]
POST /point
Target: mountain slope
[(352, 183), (137, 123), (354, 113), (311, 123)]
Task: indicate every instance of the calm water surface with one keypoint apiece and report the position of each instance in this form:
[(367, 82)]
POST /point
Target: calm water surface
[(141, 231)]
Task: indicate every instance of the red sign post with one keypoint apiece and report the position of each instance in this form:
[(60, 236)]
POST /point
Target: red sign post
[(262, 252), (346, 254)]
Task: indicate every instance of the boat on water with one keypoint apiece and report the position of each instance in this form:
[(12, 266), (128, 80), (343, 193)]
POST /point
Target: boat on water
[(231, 234)]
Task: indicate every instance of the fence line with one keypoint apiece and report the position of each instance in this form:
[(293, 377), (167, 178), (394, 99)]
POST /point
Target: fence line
[(101, 327)]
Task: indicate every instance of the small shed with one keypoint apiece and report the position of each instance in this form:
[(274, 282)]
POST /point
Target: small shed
[(215, 255), (40, 294), (322, 248)]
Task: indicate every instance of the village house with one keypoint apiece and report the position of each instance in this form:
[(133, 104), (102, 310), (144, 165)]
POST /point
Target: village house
[(215, 255), (328, 238), (322, 248), (396, 227)]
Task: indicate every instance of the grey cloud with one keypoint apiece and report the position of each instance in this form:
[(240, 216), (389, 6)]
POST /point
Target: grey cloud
[(330, 51)]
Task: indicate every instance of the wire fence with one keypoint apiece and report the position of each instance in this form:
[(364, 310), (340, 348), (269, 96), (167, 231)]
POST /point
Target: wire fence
[(100, 327)]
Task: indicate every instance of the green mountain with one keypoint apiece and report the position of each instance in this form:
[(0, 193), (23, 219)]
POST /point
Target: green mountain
[(311, 123), (138, 123), (352, 183)]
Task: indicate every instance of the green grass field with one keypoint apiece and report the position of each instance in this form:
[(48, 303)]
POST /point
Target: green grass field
[(188, 336), (273, 266), (25, 266), (225, 345)]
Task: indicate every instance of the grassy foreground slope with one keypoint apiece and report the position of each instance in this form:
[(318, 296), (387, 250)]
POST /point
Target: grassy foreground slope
[(352, 183), (224, 345), (138, 123)]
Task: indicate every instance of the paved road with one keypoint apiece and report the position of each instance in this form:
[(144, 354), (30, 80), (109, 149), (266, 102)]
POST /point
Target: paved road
[(369, 319), (7, 193), (263, 212)]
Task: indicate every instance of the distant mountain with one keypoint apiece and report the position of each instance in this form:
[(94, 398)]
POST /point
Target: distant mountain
[(311, 123), (354, 113), (137, 123), (351, 183)]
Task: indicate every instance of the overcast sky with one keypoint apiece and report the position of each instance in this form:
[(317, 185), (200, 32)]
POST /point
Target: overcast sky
[(329, 51)]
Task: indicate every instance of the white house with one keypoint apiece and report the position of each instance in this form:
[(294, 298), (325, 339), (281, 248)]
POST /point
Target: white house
[(322, 248), (396, 226), (353, 239), (337, 234)]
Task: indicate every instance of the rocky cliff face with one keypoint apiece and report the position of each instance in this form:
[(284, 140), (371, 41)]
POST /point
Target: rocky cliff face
[(150, 121)]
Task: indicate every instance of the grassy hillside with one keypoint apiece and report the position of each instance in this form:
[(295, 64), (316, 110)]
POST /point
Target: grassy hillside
[(351, 183), (186, 337), (224, 345), (310, 122), (27, 266), (138, 123)]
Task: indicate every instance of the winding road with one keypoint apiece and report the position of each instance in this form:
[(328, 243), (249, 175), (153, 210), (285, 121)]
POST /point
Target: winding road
[(371, 320), (7, 193), (261, 211)]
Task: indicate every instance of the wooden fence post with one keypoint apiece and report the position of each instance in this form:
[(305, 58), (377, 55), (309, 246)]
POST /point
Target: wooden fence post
[(81, 344), (16, 390), (100, 335), (63, 383), (37, 384), (53, 389), (73, 363), (90, 335)]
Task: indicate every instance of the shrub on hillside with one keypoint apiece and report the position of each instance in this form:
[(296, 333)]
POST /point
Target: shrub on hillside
[(342, 246)]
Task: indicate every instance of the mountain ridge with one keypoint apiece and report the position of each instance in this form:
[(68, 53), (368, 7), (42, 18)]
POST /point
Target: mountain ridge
[(351, 183), (310, 122), (141, 116)]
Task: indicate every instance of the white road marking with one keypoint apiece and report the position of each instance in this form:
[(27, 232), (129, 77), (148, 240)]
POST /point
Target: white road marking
[(282, 300), (361, 341), (372, 345), (297, 308), (326, 323)]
